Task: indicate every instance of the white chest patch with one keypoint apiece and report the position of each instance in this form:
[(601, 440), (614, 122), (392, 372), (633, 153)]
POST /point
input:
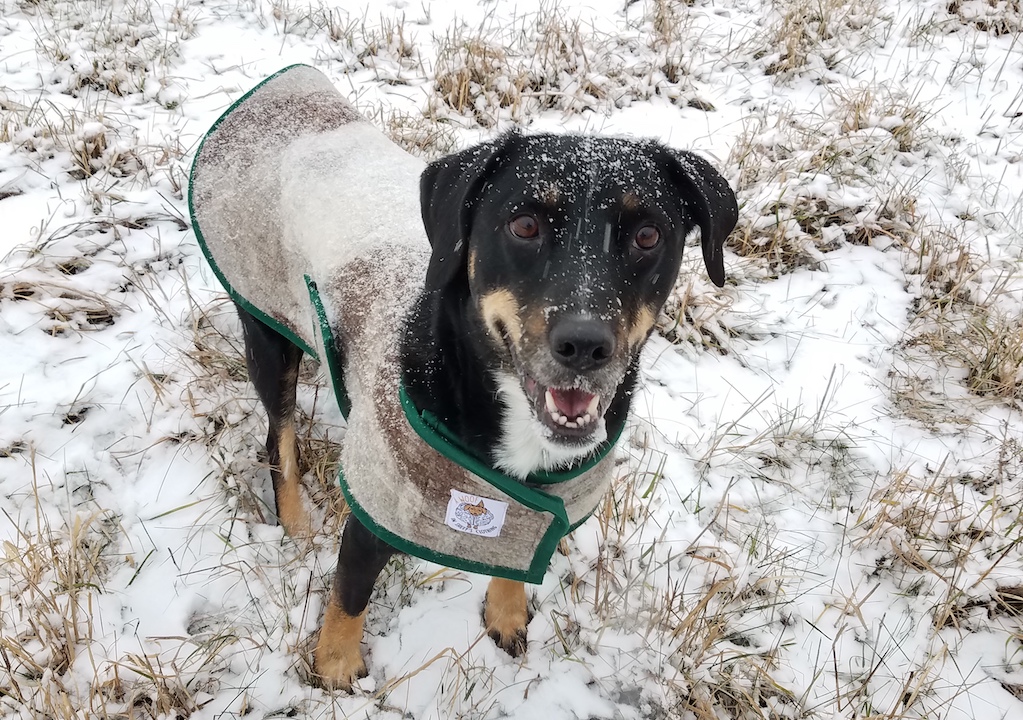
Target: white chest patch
[(527, 445)]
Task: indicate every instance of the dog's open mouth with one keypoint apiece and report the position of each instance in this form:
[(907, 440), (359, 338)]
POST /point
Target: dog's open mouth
[(570, 412)]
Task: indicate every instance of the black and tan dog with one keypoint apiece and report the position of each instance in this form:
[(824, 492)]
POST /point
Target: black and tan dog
[(519, 333)]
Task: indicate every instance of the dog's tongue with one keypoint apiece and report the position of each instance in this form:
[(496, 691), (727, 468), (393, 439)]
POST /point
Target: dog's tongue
[(572, 403)]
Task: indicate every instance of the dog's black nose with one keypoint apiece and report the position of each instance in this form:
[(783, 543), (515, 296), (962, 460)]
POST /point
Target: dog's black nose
[(581, 343)]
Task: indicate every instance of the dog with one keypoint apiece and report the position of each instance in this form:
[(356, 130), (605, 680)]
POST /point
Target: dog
[(515, 331), (549, 268)]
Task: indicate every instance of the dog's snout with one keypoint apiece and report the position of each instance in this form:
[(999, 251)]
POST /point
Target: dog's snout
[(581, 343)]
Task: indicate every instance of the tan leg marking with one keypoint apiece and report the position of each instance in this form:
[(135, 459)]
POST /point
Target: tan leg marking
[(338, 657), (291, 510), (506, 615)]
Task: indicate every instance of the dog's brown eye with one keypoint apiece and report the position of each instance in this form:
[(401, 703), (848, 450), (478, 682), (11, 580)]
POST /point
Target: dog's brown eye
[(647, 237), (524, 226)]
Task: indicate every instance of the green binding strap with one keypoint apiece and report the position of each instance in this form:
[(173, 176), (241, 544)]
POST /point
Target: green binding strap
[(335, 368)]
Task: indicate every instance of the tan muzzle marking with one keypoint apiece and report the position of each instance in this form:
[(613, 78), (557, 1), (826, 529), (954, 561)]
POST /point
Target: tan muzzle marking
[(501, 309), (640, 327)]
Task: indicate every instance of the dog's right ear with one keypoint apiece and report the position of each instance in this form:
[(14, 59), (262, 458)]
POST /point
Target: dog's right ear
[(448, 189)]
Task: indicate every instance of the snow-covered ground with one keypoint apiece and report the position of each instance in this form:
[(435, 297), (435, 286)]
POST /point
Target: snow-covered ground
[(820, 505)]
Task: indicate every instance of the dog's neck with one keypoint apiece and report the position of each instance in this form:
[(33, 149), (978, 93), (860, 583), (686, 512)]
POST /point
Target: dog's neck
[(450, 370), (443, 376)]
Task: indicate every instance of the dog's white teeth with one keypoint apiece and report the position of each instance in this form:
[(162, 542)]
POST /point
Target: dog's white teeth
[(552, 407), (581, 421)]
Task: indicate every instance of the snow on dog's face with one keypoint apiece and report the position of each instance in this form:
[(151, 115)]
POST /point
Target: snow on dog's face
[(569, 246), (573, 249)]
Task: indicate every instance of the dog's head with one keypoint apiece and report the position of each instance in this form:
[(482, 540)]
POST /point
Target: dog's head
[(568, 246)]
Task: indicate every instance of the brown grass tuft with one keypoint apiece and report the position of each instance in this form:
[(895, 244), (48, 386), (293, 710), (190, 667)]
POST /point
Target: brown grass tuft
[(998, 17)]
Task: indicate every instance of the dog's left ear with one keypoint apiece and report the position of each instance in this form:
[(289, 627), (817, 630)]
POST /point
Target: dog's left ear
[(707, 193), (447, 190)]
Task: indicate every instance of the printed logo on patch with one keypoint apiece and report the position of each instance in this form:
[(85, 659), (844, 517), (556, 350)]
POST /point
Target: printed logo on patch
[(475, 515)]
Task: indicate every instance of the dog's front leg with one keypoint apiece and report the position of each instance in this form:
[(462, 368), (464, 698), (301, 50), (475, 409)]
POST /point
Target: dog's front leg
[(338, 656), (506, 615)]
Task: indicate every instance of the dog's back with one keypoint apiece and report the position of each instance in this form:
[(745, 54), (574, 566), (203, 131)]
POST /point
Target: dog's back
[(292, 183)]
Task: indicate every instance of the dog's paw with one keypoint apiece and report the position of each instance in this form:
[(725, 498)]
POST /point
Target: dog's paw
[(292, 512), (512, 642), (506, 615), (337, 671), (337, 660), (294, 518)]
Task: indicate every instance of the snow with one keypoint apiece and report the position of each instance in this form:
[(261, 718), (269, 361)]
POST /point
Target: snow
[(816, 516)]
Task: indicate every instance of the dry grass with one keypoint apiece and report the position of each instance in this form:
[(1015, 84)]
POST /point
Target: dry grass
[(120, 49), (998, 17), (98, 51), (420, 135), (870, 107), (53, 573), (90, 141), (949, 538), (552, 60), (791, 220), (953, 539), (957, 325), (55, 661), (54, 278), (66, 310), (985, 344), (699, 317), (993, 354), (811, 183), (475, 67), (491, 73), (386, 45), (815, 34), (704, 608)]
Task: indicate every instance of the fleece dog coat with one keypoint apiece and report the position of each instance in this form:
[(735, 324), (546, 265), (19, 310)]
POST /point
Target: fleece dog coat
[(310, 218)]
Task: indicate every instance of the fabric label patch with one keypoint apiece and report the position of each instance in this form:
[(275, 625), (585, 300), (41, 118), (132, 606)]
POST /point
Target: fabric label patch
[(475, 515)]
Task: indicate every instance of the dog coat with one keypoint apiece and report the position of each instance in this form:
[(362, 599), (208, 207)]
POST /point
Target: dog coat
[(310, 218)]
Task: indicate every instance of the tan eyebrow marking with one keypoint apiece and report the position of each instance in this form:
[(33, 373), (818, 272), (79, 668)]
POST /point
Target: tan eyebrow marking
[(550, 194)]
